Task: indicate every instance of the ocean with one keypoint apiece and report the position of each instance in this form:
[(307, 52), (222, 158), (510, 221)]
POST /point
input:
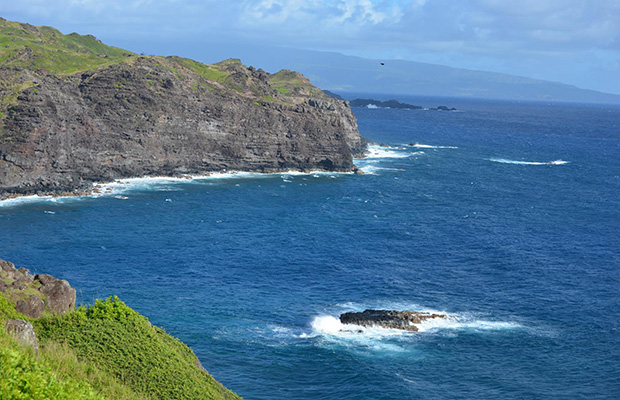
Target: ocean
[(503, 215)]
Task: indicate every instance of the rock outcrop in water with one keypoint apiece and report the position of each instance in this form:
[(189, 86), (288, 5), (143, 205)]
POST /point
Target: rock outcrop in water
[(393, 319), (372, 103), (71, 115)]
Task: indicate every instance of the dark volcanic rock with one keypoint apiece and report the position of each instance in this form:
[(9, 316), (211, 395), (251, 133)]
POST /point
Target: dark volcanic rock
[(32, 306), (383, 104), (153, 116), (59, 295), (394, 104), (33, 294), (394, 319), (445, 108)]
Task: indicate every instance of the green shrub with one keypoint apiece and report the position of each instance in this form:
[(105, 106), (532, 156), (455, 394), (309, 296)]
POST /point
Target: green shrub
[(125, 345), (24, 377)]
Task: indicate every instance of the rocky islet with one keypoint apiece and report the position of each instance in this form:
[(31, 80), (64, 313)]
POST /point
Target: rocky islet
[(391, 319)]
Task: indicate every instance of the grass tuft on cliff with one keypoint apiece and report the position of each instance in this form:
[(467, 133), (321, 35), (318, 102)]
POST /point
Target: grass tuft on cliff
[(287, 81)]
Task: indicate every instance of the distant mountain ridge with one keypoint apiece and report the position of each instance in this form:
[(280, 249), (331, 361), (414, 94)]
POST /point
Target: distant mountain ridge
[(340, 73), (349, 74)]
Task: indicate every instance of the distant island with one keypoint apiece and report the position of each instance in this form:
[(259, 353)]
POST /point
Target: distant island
[(74, 111), (372, 103), (351, 75)]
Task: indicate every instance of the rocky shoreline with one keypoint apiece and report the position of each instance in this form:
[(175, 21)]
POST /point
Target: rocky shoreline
[(104, 188)]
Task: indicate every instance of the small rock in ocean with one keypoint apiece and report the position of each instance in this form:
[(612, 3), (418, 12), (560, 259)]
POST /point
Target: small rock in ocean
[(393, 319)]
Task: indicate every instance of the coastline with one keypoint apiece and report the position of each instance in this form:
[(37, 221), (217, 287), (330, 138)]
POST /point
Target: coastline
[(111, 188)]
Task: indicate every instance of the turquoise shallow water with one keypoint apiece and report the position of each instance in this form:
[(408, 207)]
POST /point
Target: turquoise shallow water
[(252, 271)]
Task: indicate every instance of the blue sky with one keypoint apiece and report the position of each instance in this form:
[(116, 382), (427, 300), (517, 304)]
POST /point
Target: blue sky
[(570, 41)]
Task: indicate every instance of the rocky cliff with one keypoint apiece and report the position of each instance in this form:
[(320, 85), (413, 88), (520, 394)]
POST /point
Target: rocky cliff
[(74, 111)]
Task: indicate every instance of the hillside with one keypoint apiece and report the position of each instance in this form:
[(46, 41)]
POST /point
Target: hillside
[(74, 111), (104, 351)]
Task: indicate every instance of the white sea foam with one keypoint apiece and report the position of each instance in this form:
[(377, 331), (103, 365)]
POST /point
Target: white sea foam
[(506, 161), (454, 322), (329, 329), (120, 187), (372, 168), (23, 200), (428, 146), (386, 152)]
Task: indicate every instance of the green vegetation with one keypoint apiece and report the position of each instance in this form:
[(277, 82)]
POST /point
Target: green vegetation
[(126, 346), (209, 72), (24, 376), (46, 48), (10, 91), (107, 351), (286, 81)]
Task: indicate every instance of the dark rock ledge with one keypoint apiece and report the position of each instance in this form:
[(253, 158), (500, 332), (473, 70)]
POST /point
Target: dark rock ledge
[(33, 294), (393, 319)]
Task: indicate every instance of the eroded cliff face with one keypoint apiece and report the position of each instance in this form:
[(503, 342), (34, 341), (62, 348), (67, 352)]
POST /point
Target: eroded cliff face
[(151, 116)]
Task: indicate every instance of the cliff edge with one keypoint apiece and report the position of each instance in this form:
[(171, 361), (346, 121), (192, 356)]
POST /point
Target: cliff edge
[(74, 111), (50, 350)]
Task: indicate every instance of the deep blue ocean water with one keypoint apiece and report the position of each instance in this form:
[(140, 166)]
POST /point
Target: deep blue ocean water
[(253, 271)]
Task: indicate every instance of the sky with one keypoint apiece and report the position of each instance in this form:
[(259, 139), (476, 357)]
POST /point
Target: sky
[(570, 41)]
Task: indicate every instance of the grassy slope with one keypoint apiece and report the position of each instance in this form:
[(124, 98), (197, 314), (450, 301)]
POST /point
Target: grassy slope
[(45, 49), (125, 345), (23, 376), (107, 351), (36, 48), (286, 81)]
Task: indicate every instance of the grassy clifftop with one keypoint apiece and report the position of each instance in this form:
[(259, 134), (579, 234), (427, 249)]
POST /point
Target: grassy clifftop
[(45, 48), (106, 351)]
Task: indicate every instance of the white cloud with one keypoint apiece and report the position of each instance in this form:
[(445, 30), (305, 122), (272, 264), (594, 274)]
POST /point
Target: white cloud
[(316, 13)]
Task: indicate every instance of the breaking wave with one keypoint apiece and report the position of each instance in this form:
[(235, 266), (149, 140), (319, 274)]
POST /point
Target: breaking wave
[(387, 152), (506, 161), (428, 146), (328, 330), (119, 188)]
